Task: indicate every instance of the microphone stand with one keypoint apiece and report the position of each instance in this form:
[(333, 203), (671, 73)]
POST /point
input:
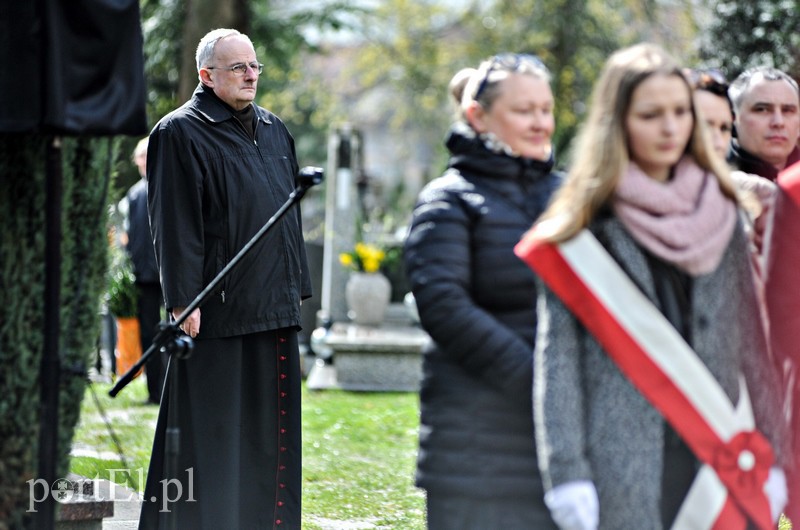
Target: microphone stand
[(171, 339)]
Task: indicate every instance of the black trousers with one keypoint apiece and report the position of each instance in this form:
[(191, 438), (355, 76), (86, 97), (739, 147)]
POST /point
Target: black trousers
[(149, 314)]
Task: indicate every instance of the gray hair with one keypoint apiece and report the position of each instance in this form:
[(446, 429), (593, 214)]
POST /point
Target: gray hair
[(741, 85), (205, 49)]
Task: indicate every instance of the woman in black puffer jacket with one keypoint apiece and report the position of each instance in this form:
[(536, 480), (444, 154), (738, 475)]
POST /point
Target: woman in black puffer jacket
[(476, 299)]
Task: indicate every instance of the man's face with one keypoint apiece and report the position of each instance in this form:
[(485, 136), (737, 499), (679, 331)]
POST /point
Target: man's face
[(768, 122), (238, 91)]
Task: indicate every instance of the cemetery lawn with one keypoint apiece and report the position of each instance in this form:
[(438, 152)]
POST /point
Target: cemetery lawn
[(359, 453)]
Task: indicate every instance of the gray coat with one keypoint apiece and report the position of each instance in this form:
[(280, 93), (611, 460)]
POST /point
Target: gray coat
[(591, 423)]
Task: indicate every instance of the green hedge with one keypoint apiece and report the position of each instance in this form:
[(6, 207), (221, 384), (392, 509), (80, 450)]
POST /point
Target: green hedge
[(85, 167)]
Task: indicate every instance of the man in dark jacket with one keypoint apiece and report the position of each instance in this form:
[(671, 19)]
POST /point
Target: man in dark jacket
[(148, 290), (219, 167), (766, 103)]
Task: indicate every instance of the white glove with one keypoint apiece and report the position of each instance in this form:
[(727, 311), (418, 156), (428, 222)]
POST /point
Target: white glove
[(574, 505), (776, 491)]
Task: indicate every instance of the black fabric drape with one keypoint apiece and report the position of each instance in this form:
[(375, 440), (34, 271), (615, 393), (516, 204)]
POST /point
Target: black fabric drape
[(72, 67)]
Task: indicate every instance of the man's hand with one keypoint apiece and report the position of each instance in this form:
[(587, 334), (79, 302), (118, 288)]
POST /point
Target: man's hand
[(190, 326)]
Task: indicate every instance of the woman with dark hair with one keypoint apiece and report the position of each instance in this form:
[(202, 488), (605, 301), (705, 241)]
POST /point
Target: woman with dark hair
[(711, 97), (653, 400), (758, 194), (477, 300)]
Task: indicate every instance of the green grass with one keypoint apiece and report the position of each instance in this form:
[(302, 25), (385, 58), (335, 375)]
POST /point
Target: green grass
[(133, 424), (359, 452), (359, 457)]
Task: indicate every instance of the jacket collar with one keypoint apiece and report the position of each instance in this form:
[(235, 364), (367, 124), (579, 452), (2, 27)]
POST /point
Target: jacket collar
[(469, 153), (749, 163), (215, 110)]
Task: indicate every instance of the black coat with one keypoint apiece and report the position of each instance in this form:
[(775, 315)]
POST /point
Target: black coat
[(140, 240), (211, 188), (213, 185), (477, 300)]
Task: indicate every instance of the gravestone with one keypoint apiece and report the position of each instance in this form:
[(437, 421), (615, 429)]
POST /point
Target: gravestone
[(387, 357), (341, 215), (82, 507)]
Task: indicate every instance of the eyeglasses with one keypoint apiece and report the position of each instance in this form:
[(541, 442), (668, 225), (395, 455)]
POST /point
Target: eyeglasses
[(239, 69), (510, 62)]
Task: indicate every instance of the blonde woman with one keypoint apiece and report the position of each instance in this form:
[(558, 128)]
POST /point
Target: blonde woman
[(652, 399), (477, 300)]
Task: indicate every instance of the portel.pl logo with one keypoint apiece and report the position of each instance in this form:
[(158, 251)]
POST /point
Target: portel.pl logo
[(63, 490)]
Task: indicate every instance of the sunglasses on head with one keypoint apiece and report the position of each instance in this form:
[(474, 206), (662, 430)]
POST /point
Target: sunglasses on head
[(707, 79), (510, 62)]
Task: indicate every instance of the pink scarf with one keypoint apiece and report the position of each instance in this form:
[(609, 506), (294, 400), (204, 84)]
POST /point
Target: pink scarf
[(686, 221)]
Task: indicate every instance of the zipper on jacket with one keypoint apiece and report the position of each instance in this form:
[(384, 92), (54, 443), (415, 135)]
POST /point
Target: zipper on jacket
[(222, 295)]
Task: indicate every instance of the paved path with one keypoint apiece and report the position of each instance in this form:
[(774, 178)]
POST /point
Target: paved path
[(126, 506)]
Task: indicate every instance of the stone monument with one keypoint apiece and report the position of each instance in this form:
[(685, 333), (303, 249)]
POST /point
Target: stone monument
[(387, 357)]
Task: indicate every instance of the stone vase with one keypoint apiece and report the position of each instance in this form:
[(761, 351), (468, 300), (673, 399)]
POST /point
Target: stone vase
[(367, 295)]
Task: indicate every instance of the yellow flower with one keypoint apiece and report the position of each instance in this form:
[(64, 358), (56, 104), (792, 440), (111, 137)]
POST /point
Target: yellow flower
[(364, 257), (371, 265)]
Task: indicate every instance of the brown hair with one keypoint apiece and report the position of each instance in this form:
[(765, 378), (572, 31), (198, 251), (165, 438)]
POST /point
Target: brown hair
[(601, 155)]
